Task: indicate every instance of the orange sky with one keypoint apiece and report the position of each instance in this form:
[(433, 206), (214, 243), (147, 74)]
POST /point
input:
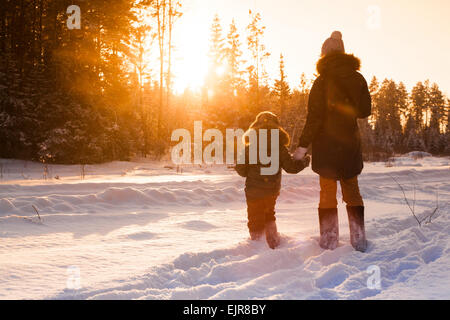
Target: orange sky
[(410, 41)]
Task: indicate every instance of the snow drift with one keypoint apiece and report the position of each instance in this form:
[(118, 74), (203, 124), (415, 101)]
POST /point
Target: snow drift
[(141, 231)]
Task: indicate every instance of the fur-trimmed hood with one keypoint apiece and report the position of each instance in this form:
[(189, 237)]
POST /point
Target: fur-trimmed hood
[(339, 64), (268, 120), (283, 135)]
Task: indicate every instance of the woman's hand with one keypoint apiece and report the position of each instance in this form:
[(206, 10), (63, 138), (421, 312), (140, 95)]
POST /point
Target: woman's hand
[(306, 160)]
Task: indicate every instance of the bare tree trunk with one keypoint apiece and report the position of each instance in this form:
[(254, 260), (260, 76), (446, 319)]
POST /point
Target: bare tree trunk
[(41, 9), (257, 75), (169, 61), (141, 84), (161, 18)]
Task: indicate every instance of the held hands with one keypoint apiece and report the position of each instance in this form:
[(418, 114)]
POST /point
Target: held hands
[(300, 153), (306, 160)]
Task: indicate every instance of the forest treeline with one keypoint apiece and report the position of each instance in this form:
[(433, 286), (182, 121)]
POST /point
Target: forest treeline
[(90, 95)]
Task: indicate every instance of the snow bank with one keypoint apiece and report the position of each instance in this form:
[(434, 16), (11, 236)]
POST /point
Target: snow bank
[(141, 231), (418, 159)]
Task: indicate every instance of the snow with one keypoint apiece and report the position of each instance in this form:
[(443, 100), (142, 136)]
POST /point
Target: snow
[(139, 230)]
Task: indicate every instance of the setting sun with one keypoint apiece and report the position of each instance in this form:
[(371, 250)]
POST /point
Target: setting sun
[(190, 55)]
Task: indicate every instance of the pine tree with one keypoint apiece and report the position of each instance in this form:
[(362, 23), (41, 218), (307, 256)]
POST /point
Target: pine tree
[(436, 103), (233, 56), (137, 49), (446, 137), (365, 125), (281, 89), (437, 107), (402, 98), (216, 55), (413, 141), (388, 125), (419, 101), (374, 86), (216, 89), (294, 118), (257, 73)]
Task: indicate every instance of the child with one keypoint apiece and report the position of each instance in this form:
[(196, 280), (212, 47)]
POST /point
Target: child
[(261, 191)]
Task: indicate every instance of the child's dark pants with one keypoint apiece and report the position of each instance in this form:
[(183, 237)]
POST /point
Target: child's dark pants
[(260, 211)]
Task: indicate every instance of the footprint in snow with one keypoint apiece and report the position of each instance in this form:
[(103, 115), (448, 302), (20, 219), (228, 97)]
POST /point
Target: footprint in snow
[(198, 225), (431, 254), (139, 236)]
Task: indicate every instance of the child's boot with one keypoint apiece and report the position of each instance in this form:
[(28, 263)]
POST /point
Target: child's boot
[(272, 235), (256, 235)]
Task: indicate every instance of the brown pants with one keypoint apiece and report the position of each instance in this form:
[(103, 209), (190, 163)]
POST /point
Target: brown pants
[(260, 212), (350, 193)]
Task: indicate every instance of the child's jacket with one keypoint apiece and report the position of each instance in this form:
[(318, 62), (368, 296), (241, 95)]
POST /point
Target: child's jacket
[(260, 186)]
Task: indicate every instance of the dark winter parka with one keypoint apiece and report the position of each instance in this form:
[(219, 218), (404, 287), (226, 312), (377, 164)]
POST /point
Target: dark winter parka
[(259, 186), (338, 97)]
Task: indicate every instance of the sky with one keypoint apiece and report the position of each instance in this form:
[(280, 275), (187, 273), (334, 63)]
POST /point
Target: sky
[(401, 40)]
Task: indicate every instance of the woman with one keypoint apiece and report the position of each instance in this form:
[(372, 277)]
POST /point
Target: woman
[(338, 97)]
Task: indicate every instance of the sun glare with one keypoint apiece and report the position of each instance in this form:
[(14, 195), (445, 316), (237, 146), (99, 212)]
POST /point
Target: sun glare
[(220, 71), (190, 56)]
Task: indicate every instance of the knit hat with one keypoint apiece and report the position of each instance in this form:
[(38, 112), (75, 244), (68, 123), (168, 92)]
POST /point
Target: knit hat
[(333, 44)]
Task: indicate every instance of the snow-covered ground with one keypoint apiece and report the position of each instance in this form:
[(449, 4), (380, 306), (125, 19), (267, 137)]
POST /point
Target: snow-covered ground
[(134, 230)]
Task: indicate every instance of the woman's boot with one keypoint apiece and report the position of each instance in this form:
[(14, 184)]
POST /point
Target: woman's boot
[(357, 230), (329, 228)]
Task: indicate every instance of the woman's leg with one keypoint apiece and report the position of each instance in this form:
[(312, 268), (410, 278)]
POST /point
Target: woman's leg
[(350, 192), (328, 189)]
